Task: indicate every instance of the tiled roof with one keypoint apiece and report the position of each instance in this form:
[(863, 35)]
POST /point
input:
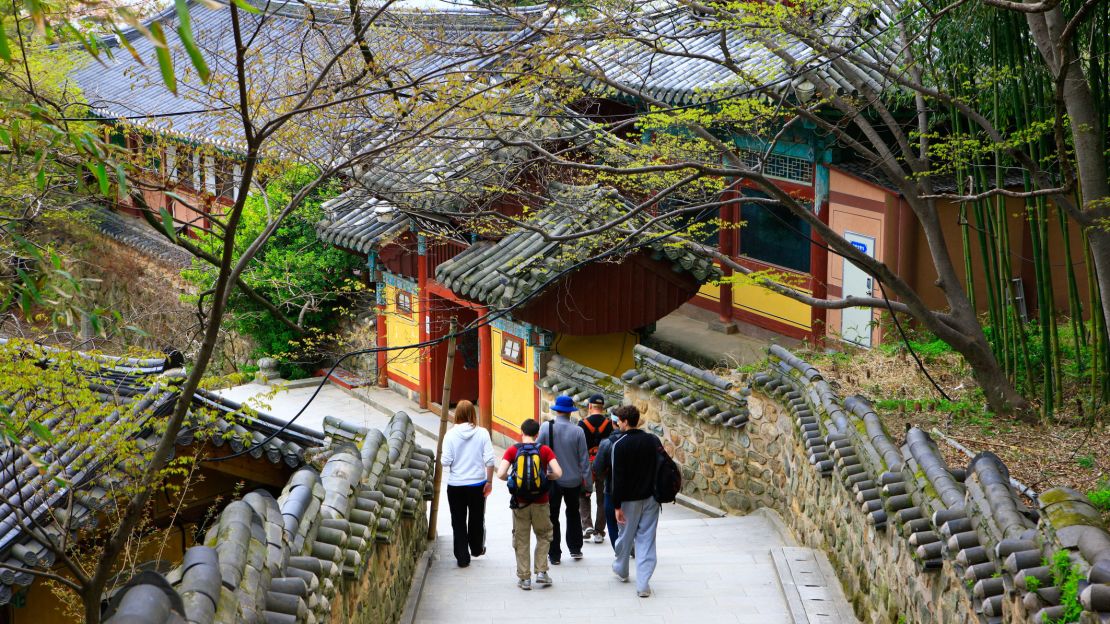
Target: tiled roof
[(697, 392), (675, 54), (363, 224), (461, 168), (281, 560), (134, 391), (138, 235), (518, 266), (565, 376), (122, 88)]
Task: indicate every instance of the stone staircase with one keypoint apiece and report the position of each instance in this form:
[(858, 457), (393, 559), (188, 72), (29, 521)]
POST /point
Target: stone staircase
[(711, 570)]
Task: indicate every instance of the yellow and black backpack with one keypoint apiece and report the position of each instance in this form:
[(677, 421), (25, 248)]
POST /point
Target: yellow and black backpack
[(527, 474)]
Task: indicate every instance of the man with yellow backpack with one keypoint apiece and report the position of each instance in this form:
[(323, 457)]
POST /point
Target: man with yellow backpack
[(529, 468)]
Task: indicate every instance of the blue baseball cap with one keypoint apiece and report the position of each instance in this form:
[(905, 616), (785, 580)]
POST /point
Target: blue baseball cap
[(564, 404)]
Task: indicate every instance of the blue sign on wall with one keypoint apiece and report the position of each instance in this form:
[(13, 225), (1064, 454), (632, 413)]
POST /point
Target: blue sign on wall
[(860, 246)]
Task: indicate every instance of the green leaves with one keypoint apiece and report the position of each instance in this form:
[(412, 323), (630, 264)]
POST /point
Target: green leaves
[(162, 52), (101, 172), (185, 32), (5, 48), (246, 6), (167, 224)]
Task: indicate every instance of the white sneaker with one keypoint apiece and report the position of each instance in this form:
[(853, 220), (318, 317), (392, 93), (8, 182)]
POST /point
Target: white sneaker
[(542, 579), (587, 533), (645, 593), (598, 538)]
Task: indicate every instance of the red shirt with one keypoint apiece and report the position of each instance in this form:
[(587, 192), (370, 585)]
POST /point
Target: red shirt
[(546, 457)]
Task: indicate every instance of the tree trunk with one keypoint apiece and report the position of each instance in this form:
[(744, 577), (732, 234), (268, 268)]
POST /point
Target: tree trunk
[(1099, 239), (966, 337)]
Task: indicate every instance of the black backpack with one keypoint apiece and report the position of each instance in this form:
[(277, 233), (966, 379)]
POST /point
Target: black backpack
[(527, 476), (668, 478)]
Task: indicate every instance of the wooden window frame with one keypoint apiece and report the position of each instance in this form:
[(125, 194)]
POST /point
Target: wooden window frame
[(406, 308), (506, 353)]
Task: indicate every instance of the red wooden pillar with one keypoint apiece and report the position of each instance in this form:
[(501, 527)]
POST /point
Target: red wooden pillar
[(382, 342), (422, 319), (485, 371), (726, 242)]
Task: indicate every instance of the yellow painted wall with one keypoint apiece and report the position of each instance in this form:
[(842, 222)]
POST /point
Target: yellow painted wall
[(514, 398), (400, 330), (759, 300), (608, 353), (711, 291)]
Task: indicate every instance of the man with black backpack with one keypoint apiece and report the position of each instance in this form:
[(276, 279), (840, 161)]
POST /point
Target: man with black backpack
[(638, 459), (529, 468), (597, 427)]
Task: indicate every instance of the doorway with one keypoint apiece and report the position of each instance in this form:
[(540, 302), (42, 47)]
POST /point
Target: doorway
[(856, 323), (464, 376)]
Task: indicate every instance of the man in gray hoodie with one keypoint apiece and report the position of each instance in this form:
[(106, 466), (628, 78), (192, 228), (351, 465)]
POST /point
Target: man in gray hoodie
[(568, 442)]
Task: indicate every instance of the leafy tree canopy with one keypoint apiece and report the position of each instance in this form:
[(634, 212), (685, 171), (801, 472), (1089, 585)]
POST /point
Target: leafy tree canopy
[(308, 281)]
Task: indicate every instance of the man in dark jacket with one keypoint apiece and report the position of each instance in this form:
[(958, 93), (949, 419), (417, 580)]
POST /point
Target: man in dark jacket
[(634, 460), (602, 468), (597, 427)]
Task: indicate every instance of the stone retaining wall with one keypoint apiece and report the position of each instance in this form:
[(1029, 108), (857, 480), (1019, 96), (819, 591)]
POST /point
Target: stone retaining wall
[(912, 539)]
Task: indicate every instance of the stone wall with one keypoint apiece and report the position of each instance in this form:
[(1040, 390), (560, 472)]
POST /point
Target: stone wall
[(339, 544), (912, 539)]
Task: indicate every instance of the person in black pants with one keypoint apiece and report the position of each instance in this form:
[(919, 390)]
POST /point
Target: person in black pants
[(468, 454), (569, 444)]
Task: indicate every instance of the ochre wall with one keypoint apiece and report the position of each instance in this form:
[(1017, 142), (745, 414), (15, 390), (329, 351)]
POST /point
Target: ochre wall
[(608, 353), (514, 398), (710, 291), (757, 300), (401, 329)]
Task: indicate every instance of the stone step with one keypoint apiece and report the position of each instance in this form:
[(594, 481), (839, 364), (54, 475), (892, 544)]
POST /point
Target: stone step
[(813, 593)]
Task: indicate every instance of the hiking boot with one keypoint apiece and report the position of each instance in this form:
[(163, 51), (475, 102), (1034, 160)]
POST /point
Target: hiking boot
[(543, 580), (644, 593), (525, 584), (576, 555), (598, 538)]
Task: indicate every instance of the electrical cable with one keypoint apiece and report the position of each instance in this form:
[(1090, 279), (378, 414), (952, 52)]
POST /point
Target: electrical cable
[(478, 323)]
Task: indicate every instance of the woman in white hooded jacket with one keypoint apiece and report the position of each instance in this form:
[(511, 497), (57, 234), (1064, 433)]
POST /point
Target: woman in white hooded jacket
[(468, 454)]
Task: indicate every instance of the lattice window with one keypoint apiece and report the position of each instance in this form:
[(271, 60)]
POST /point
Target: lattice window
[(779, 166), (512, 349), (404, 303)]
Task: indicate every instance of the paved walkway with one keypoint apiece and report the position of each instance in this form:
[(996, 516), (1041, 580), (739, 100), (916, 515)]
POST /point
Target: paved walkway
[(711, 570), (691, 337)]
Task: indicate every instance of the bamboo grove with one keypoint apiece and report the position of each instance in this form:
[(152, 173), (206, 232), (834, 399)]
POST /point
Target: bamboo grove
[(986, 57)]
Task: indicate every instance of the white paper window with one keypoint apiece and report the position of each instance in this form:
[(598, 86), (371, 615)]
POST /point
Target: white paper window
[(236, 180), (196, 171), (171, 163), (210, 174)]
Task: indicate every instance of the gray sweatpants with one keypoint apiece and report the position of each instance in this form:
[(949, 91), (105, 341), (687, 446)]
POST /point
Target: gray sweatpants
[(641, 521)]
